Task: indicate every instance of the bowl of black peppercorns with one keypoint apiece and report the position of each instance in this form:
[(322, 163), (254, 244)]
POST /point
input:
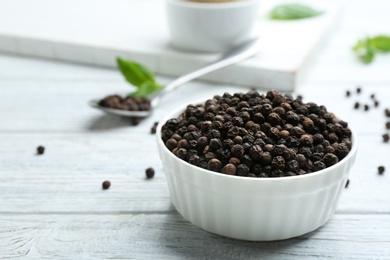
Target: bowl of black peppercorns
[(255, 166)]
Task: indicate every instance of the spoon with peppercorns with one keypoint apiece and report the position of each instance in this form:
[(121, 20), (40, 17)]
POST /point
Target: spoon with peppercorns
[(138, 105)]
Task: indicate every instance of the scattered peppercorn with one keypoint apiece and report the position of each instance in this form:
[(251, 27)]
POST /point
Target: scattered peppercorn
[(149, 173), (381, 170), (154, 128), (372, 96), (357, 105), (347, 93), (386, 138), (40, 150), (376, 103), (106, 185), (387, 112), (258, 135), (347, 184), (387, 125), (366, 107), (358, 90)]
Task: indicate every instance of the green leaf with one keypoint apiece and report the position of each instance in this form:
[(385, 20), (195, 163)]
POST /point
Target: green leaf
[(146, 89), (134, 73), (364, 50), (380, 43), (293, 12)]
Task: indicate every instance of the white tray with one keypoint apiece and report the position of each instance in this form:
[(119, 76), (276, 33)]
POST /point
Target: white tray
[(97, 31)]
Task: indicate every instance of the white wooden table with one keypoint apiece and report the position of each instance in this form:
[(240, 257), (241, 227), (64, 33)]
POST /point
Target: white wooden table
[(52, 206)]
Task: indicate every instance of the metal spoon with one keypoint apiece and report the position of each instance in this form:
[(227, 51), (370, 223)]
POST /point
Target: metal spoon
[(234, 55)]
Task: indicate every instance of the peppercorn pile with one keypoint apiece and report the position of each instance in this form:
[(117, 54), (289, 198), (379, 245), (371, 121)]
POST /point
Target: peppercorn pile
[(256, 135), (126, 103)]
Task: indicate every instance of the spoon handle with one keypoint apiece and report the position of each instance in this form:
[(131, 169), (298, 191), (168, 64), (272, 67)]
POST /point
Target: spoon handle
[(234, 55)]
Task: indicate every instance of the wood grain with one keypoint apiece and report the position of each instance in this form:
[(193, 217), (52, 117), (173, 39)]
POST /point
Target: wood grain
[(169, 236), (68, 177)]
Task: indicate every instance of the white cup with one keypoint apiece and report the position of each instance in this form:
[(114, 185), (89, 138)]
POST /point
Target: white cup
[(211, 27)]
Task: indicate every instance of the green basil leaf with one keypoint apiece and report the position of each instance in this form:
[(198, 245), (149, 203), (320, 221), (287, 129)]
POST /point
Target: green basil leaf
[(146, 89), (134, 73), (364, 50), (293, 12), (381, 43)]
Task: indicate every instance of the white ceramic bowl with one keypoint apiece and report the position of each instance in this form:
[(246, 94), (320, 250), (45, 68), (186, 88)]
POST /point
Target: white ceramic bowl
[(211, 27), (257, 209)]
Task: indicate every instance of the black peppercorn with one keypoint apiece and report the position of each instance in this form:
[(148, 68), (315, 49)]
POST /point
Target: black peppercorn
[(242, 170), (182, 153), (215, 144), (386, 138), (149, 173), (306, 140), (277, 173), (279, 149), (274, 133), (194, 159), (258, 118), (387, 112), (308, 124), (255, 152), (237, 150), (265, 158), (330, 159), (318, 165), (171, 144), (306, 151), (40, 150), (237, 139), (214, 165), (177, 137), (266, 109), (381, 170), (296, 131), (289, 154), (235, 161), (357, 105), (182, 143), (347, 184), (292, 165), (342, 150), (202, 142), (106, 185), (229, 169), (274, 119), (284, 134), (278, 162), (154, 128), (203, 164)]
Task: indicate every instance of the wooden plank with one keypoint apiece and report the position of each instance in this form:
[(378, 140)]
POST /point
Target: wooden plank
[(68, 177), (171, 237), (69, 111)]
